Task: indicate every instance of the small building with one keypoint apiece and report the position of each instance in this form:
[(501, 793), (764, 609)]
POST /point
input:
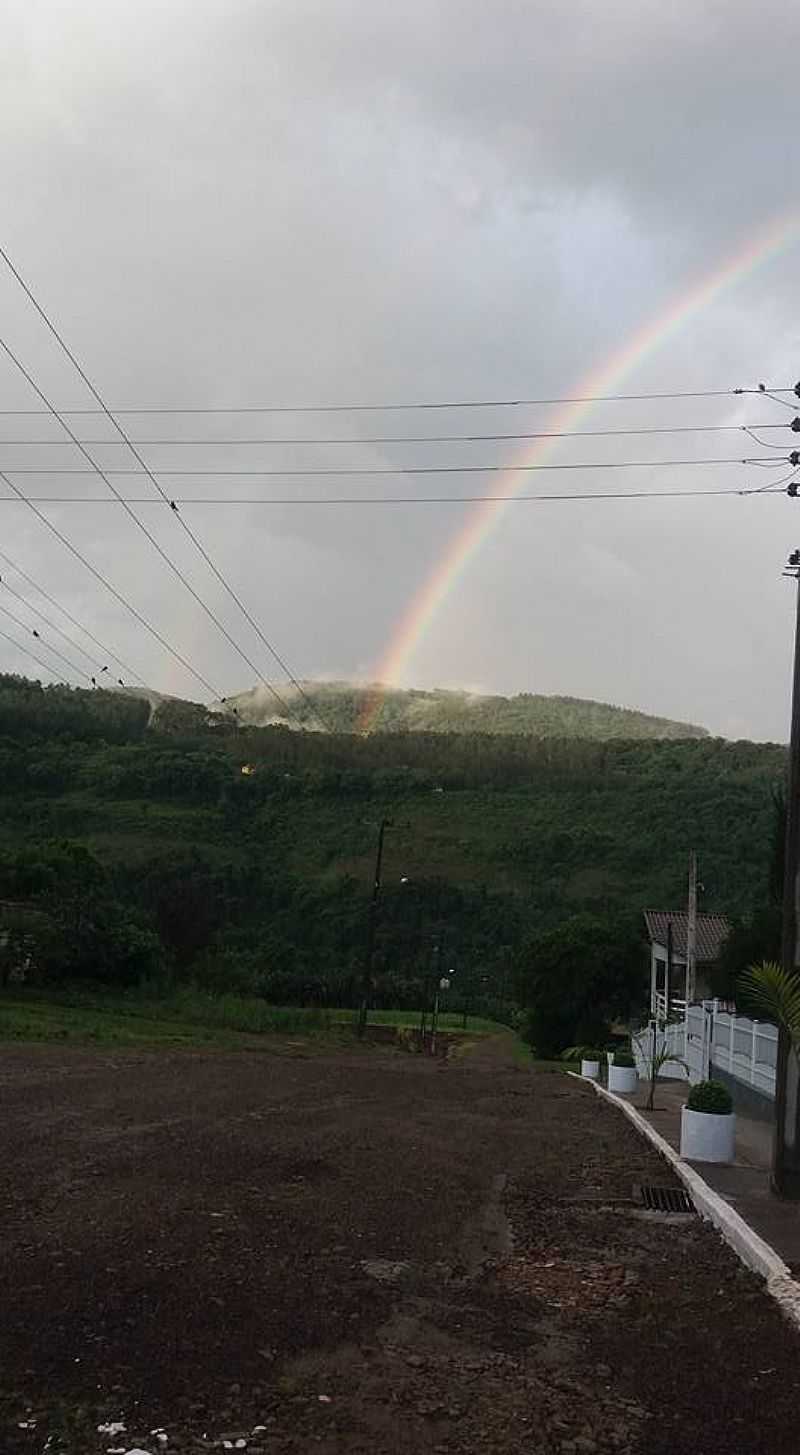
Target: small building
[(21, 928), (712, 931)]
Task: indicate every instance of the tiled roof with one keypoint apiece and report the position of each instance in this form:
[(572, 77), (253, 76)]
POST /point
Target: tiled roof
[(712, 929)]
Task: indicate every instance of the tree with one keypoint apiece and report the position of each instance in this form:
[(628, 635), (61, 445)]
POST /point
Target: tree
[(180, 719), (757, 938), (579, 977), (750, 941)]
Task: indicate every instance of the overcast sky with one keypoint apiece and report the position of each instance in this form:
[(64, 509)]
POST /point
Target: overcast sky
[(269, 202)]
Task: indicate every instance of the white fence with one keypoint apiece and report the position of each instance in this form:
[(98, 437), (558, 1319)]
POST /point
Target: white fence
[(676, 1007), (710, 1035), (671, 1037)]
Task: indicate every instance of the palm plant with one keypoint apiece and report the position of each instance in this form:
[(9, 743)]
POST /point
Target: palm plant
[(774, 991), (655, 1057)]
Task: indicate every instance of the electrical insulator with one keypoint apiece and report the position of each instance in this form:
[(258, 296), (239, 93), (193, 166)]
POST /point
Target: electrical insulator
[(792, 489)]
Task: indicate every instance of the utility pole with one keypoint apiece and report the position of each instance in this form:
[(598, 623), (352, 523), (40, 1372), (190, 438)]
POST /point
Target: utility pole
[(668, 973), (786, 1141), (691, 931), (366, 982)]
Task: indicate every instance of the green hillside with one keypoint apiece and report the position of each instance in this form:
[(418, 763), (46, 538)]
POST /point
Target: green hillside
[(130, 850), (342, 705)]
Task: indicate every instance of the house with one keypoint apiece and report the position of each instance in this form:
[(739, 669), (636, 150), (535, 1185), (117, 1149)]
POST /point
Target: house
[(20, 924), (712, 931)]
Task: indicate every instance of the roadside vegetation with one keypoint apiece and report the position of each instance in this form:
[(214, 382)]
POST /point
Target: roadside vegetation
[(224, 874)]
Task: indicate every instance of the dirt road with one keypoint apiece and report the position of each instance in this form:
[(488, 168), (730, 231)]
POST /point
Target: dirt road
[(359, 1251)]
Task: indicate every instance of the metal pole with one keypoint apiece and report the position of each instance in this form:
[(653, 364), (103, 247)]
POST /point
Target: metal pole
[(423, 1020), (437, 977), (434, 1022), (366, 983), (653, 1066), (786, 1143)]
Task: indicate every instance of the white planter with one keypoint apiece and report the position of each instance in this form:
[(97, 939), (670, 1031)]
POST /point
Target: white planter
[(591, 1069), (623, 1079), (706, 1136)]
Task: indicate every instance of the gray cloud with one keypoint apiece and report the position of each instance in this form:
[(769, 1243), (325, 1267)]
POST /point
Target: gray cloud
[(240, 203)]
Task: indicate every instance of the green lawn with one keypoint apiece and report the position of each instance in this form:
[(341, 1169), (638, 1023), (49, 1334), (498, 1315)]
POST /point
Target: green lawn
[(446, 1022), (186, 1017), (42, 1021)]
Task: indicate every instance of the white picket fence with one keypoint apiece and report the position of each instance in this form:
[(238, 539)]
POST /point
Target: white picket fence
[(710, 1034), (677, 1007)]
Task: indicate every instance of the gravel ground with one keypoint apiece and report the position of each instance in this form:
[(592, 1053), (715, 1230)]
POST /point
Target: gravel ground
[(359, 1251)]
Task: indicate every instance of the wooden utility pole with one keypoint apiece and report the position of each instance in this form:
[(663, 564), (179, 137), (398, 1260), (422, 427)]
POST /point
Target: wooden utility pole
[(786, 1139), (668, 973), (691, 931)]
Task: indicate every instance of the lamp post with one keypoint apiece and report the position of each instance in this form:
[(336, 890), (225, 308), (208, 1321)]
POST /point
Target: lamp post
[(366, 980), (443, 983)]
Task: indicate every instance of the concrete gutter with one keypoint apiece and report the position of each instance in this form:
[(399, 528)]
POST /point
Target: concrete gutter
[(753, 1251)]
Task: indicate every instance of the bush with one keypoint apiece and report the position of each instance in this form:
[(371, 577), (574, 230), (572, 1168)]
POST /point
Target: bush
[(581, 1053), (624, 1058), (711, 1097)]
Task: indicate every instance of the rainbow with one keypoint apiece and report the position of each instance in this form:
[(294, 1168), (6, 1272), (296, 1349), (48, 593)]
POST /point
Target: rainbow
[(425, 605)]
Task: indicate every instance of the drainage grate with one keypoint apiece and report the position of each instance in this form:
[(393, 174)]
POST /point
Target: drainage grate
[(664, 1199)]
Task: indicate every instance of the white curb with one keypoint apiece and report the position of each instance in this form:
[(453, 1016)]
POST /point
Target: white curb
[(745, 1242)]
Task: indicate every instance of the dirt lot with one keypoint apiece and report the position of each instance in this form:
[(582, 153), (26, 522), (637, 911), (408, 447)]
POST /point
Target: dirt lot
[(359, 1251)]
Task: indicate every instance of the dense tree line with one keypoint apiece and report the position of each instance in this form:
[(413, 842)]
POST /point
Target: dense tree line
[(162, 843)]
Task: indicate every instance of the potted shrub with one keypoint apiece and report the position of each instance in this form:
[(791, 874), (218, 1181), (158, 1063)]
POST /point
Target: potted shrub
[(590, 1063), (622, 1074), (708, 1125)]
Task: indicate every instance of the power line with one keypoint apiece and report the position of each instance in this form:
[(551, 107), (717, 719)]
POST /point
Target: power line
[(773, 394), (187, 529), (421, 439), (129, 672), (750, 430), (96, 469), (78, 648), (26, 652), (362, 408), (24, 625), (501, 469), (154, 632), (370, 500)]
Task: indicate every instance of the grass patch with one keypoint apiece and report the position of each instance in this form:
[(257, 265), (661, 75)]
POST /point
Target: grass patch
[(187, 1017), (480, 1025), (42, 1021)]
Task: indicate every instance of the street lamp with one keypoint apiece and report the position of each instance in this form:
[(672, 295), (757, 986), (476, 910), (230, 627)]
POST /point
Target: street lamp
[(366, 980), (443, 984)]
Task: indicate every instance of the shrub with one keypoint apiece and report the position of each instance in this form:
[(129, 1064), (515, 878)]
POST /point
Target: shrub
[(711, 1097), (624, 1058), (581, 1053)]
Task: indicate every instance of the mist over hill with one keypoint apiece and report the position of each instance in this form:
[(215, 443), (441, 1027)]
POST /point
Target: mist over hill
[(345, 706)]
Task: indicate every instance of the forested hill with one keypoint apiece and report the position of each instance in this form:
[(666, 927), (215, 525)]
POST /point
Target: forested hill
[(134, 845), (342, 705)]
